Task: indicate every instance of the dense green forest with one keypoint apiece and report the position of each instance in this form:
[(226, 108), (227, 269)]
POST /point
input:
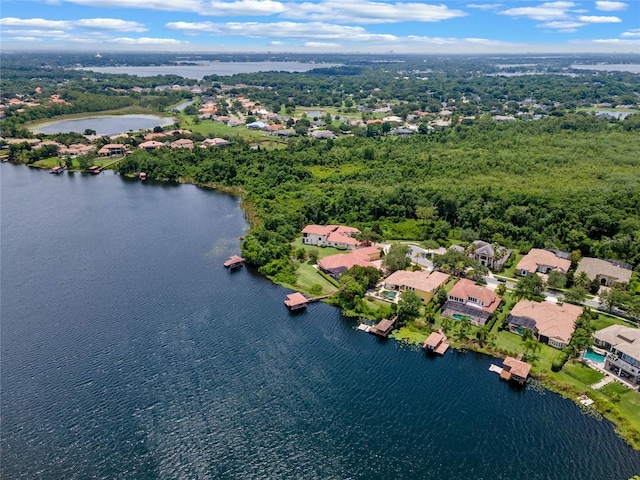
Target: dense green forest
[(571, 183)]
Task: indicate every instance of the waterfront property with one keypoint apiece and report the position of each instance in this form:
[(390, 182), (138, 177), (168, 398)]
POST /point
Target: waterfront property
[(470, 300), (150, 145), (113, 149), (490, 255), (436, 343), (622, 345), (383, 327), (514, 369), (606, 272), (336, 265), (330, 235), (550, 323), (543, 261), (424, 284), (296, 301)]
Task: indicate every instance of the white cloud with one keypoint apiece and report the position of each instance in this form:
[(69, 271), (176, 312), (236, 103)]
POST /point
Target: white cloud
[(322, 45), (147, 41), (365, 11), (607, 6), (634, 32), (33, 23), (312, 31), (599, 19), (562, 25), (485, 6), (110, 24), (85, 23), (544, 11), (615, 44), (26, 39), (211, 8)]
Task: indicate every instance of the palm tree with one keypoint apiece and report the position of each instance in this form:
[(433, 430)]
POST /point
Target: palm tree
[(465, 323), (446, 323), (582, 280)]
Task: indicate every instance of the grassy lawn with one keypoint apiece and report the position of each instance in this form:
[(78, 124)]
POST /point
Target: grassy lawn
[(309, 277), (581, 372), (510, 272), (322, 251), (604, 321)]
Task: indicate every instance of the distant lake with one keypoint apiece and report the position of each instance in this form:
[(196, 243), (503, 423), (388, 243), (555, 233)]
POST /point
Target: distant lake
[(105, 125), (202, 69), (613, 67)]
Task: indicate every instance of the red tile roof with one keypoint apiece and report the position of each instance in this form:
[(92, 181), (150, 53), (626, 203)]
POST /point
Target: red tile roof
[(551, 319), (466, 288)]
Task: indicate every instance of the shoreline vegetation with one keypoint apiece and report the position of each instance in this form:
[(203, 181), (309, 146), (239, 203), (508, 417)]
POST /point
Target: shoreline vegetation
[(447, 156)]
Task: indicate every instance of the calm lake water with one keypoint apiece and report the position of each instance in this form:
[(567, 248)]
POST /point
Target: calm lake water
[(128, 351), (613, 67), (106, 124), (197, 72)]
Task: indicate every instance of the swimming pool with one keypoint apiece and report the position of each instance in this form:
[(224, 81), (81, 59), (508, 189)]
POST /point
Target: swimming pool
[(457, 316), (593, 356), (388, 294)]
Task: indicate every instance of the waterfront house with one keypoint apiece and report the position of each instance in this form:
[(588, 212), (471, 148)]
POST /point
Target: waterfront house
[(543, 261), (336, 265), (113, 149), (466, 299), (490, 255), (550, 323), (424, 284), (622, 344), (606, 272), (330, 235), (515, 369)]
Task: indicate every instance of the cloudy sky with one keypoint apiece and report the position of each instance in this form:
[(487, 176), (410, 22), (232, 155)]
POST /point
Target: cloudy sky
[(411, 26)]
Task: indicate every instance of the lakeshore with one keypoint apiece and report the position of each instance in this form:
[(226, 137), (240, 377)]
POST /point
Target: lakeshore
[(228, 386)]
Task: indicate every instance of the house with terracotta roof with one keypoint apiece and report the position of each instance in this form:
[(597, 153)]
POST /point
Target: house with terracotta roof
[(490, 255), (424, 284), (607, 272), (336, 265), (214, 142), (622, 344), (150, 145), (543, 261), (436, 343), (550, 323), (330, 235), (113, 149), (466, 299), (153, 136), (182, 143)]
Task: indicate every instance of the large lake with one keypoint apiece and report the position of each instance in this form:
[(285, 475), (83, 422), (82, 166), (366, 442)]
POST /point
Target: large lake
[(105, 124), (610, 67), (128, 351), (202, 69)]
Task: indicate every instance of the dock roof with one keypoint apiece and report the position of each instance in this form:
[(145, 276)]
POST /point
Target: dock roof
[(295, 300), (516, 367)]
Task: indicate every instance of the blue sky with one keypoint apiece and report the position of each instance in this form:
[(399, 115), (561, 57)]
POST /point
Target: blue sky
[(411, 26)]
